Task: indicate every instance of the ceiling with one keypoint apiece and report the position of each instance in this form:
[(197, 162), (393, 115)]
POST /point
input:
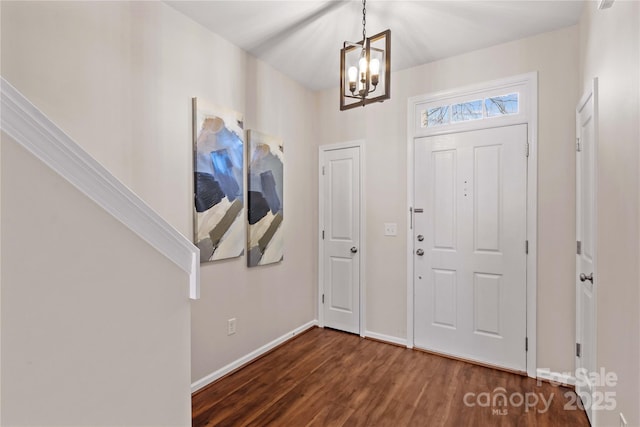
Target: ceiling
[(303, 38)]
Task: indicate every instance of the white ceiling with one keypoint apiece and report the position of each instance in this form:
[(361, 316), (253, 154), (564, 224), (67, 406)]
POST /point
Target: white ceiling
[(303, 38)]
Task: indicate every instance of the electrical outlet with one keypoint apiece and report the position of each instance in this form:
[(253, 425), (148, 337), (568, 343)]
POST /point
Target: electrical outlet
[(390, 229), (623, 421), (231, 326)]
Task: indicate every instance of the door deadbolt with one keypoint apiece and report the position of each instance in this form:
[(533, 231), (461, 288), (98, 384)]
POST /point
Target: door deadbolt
[(420, 252), (420, 237)]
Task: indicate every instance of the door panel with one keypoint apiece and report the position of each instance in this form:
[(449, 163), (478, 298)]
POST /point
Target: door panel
[(340, 295), (487, 303), (586, 257), (487, 193), (444, 301), (470, 281), (340, 173), (444, 212), (341, 255)]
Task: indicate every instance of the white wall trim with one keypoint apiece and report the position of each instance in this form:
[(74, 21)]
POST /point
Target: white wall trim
[(30, 128), (590, 94), (556, 377), (532, 226), (471, 92), (238, 363), (529, 114), (363, 227), (411, 107), (385, 338)]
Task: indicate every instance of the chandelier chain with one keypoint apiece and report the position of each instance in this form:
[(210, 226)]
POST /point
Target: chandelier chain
[(364, 20)]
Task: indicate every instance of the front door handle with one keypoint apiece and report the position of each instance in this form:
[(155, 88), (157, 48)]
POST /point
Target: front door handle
[(584, 277), (354, 250), (420, 252)]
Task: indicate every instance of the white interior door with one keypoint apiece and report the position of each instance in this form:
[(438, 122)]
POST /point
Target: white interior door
[(341, 244), (586, 248), (470, 245)]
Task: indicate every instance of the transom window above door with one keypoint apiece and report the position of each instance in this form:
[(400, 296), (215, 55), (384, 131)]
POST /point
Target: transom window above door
[(475, 109), (496, 103)]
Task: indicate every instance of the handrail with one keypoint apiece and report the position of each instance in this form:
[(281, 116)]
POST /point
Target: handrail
[(30, 128)]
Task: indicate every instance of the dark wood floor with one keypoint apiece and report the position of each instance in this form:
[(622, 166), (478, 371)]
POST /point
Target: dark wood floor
[(330, 378)]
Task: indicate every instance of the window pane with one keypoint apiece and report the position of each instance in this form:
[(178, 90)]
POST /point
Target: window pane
[(471, 110), (501, 105), (435, 116)]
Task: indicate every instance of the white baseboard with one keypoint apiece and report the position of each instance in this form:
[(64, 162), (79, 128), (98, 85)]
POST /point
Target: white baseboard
[(556, 377), (386, 338), (203, 382)]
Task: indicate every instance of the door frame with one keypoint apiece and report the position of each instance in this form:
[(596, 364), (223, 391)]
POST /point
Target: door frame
[(362, 249), (527, 86), (590, 94)]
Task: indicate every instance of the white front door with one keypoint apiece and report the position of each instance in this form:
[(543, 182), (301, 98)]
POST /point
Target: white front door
[(470, 245), (341, 245), (585, 258)]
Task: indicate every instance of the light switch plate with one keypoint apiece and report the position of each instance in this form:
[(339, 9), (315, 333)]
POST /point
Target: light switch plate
[(231, 326), (390, 229)]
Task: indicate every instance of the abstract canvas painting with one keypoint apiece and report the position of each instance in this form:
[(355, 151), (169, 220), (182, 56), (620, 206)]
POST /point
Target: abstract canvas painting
[(265, 199), (218, 145)]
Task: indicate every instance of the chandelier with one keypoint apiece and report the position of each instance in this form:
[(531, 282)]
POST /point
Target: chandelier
[(365, 72)]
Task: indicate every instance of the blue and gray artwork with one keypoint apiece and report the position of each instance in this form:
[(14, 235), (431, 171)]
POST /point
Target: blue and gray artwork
[(265, 199), (218, 183)]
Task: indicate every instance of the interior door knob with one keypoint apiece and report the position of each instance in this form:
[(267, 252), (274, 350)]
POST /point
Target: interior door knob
[(420, 252), (354, 250), (584, 277)]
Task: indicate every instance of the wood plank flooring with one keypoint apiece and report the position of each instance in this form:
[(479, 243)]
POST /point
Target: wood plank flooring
[(329, 378)]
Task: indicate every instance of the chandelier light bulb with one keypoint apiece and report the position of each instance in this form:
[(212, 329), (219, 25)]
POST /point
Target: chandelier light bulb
[(363, 68), (353, 78), (375, 72), (375, 66), (353, 74)]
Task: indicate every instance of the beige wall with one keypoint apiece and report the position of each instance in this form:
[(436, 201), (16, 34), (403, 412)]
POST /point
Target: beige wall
[(609, 50), (118, 77), (384, 127), (272, 300), (95, 322)]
